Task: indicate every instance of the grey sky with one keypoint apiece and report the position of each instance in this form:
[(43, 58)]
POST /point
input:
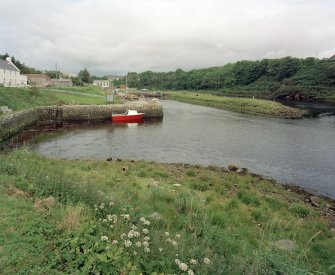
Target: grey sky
[(117, 36)]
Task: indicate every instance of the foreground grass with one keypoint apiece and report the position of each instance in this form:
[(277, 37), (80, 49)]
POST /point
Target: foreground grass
[(240, 105), (23, 98), (132, 217)]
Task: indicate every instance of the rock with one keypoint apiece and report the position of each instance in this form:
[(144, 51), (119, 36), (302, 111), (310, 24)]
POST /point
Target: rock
[(332, 226), (315, 201), (109, 159), (284, 245), (233, 167), (155, 216), (45, 204), (118, 160), (125, 168)]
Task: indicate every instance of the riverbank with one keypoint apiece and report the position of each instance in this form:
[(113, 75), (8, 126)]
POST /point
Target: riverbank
[(126, 216), (250, 106)]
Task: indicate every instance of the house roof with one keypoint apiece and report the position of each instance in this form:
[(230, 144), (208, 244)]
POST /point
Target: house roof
[(30, 76), (6, 65)]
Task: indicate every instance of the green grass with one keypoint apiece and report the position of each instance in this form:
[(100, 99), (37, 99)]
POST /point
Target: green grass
[(23, 98), (231, 219), (240, 105)]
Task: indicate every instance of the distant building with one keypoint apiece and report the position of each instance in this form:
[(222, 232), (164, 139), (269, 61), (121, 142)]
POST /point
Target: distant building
[(41, 80), (101, 83), (10, 75), (62, 82)]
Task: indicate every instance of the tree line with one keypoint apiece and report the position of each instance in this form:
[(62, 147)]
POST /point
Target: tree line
[(265, 74)]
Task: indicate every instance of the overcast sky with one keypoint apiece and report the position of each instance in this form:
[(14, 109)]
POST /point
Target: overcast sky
[(117, 36)]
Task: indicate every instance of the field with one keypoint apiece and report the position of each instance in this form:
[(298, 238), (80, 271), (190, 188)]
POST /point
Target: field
[(125, 217), (23, 98)]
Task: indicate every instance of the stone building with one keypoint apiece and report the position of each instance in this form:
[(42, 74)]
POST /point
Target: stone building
[(101, 83), (62, 82), (40, 80), (10, 75)]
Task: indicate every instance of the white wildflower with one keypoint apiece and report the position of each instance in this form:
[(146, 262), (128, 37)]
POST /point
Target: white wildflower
[(115, 242), (104, 238), (138, 244), (127, 243), (104, 220), (142, 219), (146, 249), (168, 240), (123, 235), (174, 243), (133, 227), (146, 244), (131, 233), (111, 226), (207, 261), (111, 203), (167, 234), (190, 272), (160, 249), (193, 261), (125, 216), (145, 231), (177, 236), (183, 266), (146, 222), (146, 238), (102, 206), (177, 261), (135, 253)]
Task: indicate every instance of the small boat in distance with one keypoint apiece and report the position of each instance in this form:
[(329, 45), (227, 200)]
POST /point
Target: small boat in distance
[(128, 117)]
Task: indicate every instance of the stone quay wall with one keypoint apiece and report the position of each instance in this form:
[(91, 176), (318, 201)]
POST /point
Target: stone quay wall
[(14, 123)]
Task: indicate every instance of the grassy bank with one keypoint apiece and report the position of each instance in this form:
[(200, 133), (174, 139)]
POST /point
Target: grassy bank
[(23, 98), (129, 217), (239, 105)]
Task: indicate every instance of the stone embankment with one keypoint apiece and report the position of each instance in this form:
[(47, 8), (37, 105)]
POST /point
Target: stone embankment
[(15, 122)]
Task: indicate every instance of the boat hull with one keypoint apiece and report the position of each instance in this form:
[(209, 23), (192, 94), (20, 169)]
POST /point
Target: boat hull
[(127, 118)]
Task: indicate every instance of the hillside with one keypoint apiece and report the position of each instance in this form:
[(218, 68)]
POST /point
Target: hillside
[(288, 77)]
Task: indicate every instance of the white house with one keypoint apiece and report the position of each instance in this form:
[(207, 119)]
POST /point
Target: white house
[(101, 83), (10, 75)]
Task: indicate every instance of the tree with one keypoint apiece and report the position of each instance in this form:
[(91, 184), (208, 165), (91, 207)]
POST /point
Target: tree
[(84, 76)]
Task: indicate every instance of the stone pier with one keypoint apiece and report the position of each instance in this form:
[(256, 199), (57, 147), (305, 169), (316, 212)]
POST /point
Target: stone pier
[(13, 123)]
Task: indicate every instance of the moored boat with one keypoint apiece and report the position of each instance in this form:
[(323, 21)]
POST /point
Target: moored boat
[(129, 116)]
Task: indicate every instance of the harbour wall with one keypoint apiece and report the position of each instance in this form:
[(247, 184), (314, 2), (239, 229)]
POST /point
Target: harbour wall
[(13, 123)]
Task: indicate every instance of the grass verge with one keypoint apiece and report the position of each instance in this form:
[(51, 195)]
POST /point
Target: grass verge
[(251, 106), (132, 217)]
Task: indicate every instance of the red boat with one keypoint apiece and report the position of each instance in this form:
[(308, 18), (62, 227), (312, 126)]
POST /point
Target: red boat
[(129, 116)]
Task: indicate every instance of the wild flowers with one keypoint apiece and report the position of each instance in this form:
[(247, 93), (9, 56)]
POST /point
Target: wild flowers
[(127, 243), (207, 261), (135, 238), (104, 238)]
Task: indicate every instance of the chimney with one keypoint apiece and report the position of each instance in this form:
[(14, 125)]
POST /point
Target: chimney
[(8, 59)]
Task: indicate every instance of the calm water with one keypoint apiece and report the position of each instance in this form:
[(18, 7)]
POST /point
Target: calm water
[(292, 151)]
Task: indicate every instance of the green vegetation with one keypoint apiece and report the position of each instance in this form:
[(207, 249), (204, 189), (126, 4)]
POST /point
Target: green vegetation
[(308, 78), (24, 69), (91, 217), (23, 98), (239, 105)]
